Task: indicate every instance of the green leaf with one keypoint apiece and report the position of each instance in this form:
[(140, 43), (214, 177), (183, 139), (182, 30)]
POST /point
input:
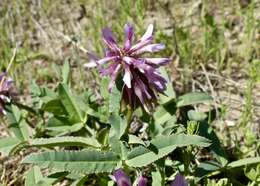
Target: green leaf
[(161, 116), (117, 130), (193, 98), (104, 88), (17, 123), (206, 168), (243, 162), (7, 144), (118, 126), (135, 140), (61, 126), (65, 141), (115, 100), (55, 106), (196, 116), (66, 72), (164, 118), (165, 113), (157, 178), (118, 147), (70, 104), (35, 178), (18, 147), (47, 94), (57, 69), (103, 136), (253, 172), (162, 146), (207, 131), (86, 162)]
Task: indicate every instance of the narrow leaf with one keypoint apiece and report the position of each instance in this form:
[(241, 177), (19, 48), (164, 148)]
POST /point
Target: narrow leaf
[(162, 146), (85, 162), (65, 141), (216, 148), (66, 72), (17, 123), (243, 162), (193, 98), (206, 168), (35, 178), (70, 104), (54, 106), (7, 144)]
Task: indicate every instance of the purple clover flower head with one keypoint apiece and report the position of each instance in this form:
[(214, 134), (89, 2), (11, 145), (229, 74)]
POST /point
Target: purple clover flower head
[(142, 181), (121, 178), (140, 75), (6, 91), (179, 181)]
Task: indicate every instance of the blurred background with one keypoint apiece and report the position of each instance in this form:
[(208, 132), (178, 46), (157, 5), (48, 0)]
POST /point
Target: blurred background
[(215, 45)]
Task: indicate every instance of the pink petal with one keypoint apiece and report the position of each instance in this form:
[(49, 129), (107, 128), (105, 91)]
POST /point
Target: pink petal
[(108, 36), (113, 77), (140, 63), (145, 40), (109, 53), (140, 45), (129, 33), (151, 48), (108, 70), (179, 181), (93, 60), (109, 39), (92, 56), (138, 93), (122, 179), (105, 60), (144, 88), (128, 60), (157, 61), (148, 34), (142, 181), (159, 84), (143, 67)]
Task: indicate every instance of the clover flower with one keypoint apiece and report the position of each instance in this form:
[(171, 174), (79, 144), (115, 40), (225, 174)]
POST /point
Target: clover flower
[(6, 91), (179, 181), (121, 178), (142, 80)]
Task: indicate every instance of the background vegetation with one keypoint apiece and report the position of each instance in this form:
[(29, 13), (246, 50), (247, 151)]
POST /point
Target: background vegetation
[(214, 43)]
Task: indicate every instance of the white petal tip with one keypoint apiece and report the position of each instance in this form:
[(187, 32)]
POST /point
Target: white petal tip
[(90, 65), (148, 34), (150, 27), (127, 79)]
